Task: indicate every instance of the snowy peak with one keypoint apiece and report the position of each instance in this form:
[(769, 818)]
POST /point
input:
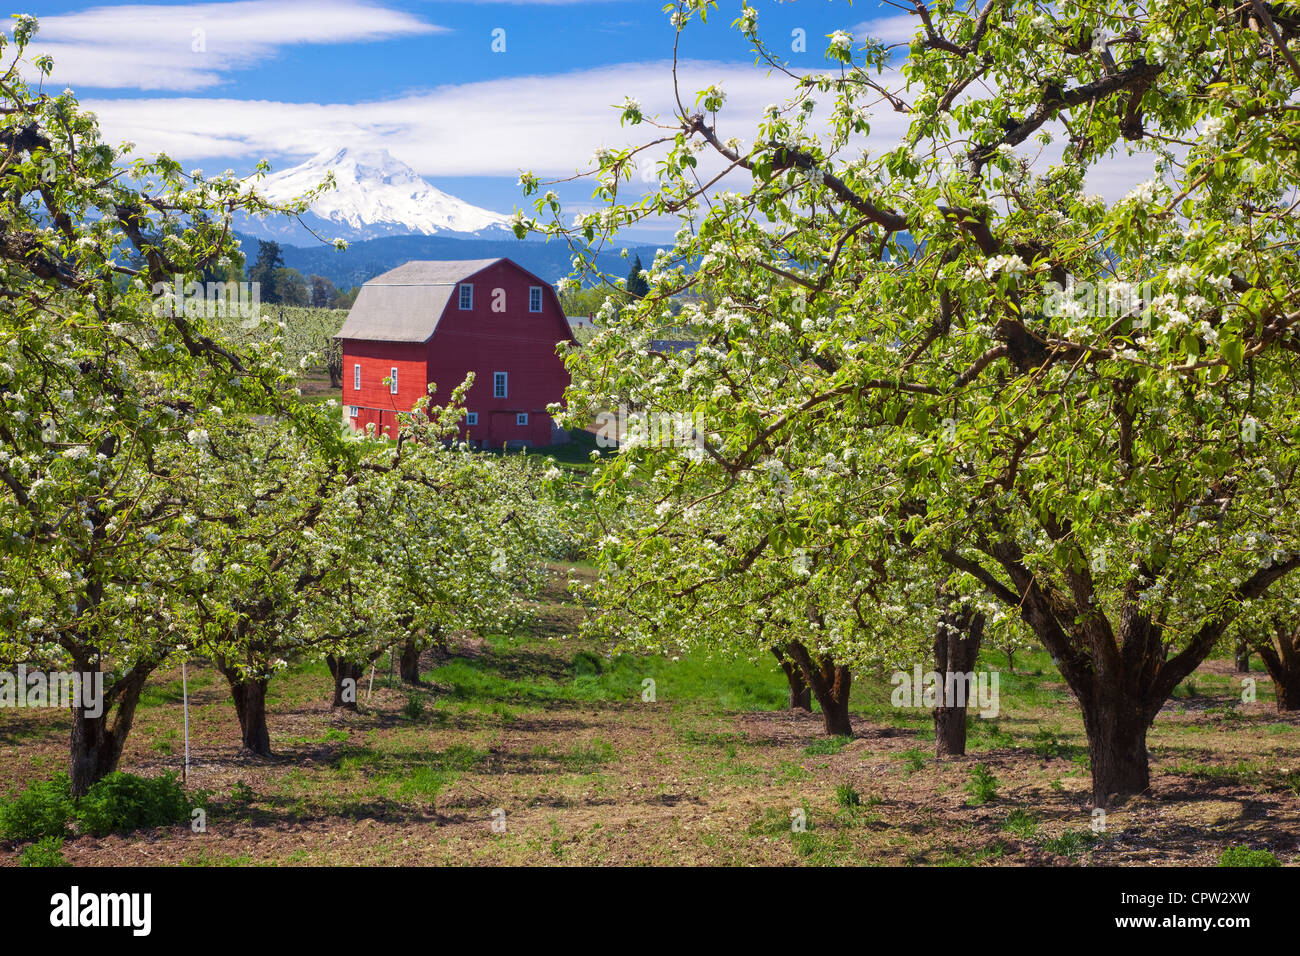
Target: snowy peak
[(377, 194)]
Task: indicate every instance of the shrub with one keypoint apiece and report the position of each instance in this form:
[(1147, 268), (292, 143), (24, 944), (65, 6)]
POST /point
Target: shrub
[(41, 810), (123, 801), (1244, 856), (45, 852), (982, 785)]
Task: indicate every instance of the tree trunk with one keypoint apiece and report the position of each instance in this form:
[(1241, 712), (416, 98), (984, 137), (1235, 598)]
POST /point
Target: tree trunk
[(800, 692), (1241, 658), (956, 649), (830, 684), (1282, 661), (249, 695), (250, 706), (1118, 664), (1117, 746), (1120, 675), (95, 751), (409, 663), (347, 682), (1287, 688), (334, 362), (96, 746)]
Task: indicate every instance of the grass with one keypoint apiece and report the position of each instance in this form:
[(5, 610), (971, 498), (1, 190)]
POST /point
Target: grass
[(46, 852), (1071, 843), (827, 745), (982, 785), (914, 760), (555, 734), (846, 795), (1022, 823)]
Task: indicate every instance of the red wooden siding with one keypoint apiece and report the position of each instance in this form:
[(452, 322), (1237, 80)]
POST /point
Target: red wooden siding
[(479, 340), (376, 404)]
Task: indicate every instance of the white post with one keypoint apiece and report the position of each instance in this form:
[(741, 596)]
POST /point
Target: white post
[(371, 688), (185, 694)]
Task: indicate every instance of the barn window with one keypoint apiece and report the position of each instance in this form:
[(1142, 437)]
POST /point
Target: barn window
[(521, 418), (498, 384), (471, 418), (466, 296), (535, 298), (353, 411), (392, 383), (356, 378)]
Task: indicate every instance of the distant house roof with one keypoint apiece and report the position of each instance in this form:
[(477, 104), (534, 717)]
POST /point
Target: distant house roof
[(578, 321), (404, 304)]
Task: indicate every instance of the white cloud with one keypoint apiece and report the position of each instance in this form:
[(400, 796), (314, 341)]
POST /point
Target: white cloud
[(191, 46), (889, 30), (549, 124)]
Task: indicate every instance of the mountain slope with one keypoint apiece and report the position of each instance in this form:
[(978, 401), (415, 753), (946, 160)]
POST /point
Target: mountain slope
[(375, 195)]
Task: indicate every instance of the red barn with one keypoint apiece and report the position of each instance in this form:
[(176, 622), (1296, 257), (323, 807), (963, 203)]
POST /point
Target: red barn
[(437, 321)]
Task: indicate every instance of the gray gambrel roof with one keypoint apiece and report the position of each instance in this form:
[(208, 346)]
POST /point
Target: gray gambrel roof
[(404, 304)]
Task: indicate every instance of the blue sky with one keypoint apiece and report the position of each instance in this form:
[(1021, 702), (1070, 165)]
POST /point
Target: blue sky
[(223, 84)]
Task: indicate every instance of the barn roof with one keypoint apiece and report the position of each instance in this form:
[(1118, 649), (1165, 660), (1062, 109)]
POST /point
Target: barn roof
[(404, 304)]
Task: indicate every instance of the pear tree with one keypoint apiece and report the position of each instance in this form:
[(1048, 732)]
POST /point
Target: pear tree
[(1083, 403)]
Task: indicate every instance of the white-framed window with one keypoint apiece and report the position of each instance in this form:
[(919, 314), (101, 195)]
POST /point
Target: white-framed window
[(466, 296), (356, 378), (353, 411), (521, 418), (534, 298), (471, 418), (499, 385), (392, 381)]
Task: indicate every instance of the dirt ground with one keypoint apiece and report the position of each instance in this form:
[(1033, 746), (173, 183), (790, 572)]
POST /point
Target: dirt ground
[(533, 749)]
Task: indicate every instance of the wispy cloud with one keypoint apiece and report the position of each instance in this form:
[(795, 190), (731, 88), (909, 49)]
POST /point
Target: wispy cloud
[(192, 46), (550, 124), (888, 30)]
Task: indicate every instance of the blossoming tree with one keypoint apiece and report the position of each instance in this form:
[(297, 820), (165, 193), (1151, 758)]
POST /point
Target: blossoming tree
[(98, 378), (1117, 469)]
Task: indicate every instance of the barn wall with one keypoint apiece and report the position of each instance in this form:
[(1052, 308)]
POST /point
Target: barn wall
[(515, 341), (376, 403)]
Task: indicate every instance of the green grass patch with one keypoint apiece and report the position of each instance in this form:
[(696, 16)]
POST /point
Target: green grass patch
[(827, 745), (982, 785), (914, 759), (1022, 823), (1070, 844), (846, 795)]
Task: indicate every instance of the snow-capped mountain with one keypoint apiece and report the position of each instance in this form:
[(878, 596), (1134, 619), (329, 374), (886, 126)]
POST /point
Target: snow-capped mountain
[(375, 195)]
